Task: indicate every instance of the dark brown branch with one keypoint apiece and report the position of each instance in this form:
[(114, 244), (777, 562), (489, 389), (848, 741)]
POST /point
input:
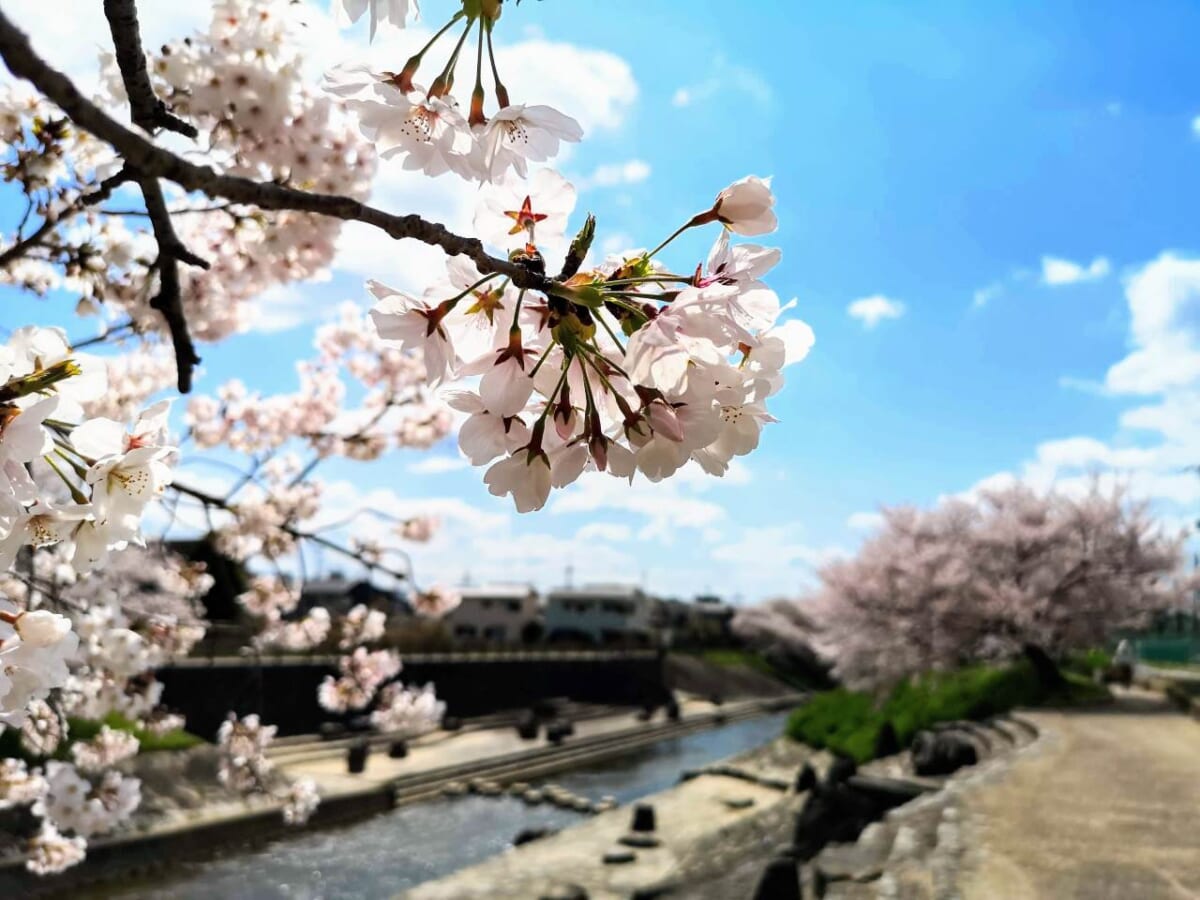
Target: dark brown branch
[(150, 159), (148, 111), (21, 247), (102, 193)]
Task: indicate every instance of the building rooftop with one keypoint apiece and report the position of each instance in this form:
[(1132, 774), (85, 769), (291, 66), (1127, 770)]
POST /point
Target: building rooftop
[(599, 590), (508, 591)]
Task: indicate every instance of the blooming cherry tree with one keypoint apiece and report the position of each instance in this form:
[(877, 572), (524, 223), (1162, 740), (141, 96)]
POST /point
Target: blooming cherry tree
[(561, 363), (1017, 572)]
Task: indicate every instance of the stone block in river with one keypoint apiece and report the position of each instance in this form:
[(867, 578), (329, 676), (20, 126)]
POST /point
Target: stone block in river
[(643, 817)]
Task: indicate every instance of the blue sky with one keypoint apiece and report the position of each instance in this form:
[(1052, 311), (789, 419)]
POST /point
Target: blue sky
[(937, 156)]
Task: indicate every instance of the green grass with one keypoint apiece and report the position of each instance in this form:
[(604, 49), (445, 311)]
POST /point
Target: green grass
[(1085, 661), (734, 658), (850, 722), (86, 729)]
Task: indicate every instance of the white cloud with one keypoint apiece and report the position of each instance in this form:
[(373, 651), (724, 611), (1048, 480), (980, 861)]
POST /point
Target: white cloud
[(865, 521), (438, 465), (71, 34), (666, 507), (286, 306), (1156, 444), (605, 531), (773, 558), (1164, 307), (1057, 271), (724, 76), (1196, 126), (873, 310), (615, 174), (594, 86)]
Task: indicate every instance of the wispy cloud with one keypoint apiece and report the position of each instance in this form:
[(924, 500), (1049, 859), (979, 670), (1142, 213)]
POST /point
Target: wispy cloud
[(1057, 271), (725, 76), (438, 465), (615, 174), (985, 295), (874, 309)]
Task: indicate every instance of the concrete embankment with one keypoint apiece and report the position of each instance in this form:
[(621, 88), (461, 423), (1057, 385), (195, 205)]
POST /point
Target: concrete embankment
[(432, 762), (703, 815), (722, 827)]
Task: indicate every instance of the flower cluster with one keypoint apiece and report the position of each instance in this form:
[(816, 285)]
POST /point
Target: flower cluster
[(72, 803), (19, 785), (361, 625), (52, 852), (425, 127), (297, 635), (33, 659), (362, 673), (242, 83), (301, 801), (622, 368), (406, 710), (105, 750), (243, 766), (241, 748)]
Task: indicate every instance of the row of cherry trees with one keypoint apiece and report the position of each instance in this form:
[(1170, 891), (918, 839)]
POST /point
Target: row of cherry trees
[(1011, 572), (555, 366)]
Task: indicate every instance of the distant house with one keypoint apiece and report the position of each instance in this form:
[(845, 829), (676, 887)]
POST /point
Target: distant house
[(601, 614), (498, 613), (338, 594), (700, 622)]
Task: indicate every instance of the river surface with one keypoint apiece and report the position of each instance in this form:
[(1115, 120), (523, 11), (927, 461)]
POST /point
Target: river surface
[(381, 856)]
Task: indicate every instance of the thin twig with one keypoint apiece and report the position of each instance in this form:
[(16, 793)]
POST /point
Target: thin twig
[(211, 501)]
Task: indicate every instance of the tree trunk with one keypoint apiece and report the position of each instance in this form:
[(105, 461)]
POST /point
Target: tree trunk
[(1044, 667)]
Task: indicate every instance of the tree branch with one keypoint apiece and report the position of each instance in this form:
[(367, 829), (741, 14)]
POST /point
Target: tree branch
[(147, 110), (51, 219), (151, 160), (211, 501)]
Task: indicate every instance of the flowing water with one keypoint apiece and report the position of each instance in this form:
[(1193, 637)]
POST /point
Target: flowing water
[(381, 856)]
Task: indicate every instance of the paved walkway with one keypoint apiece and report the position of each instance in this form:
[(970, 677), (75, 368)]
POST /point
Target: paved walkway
[(1105, 807)]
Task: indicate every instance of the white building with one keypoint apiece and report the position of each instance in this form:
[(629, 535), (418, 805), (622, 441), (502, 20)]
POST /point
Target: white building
[(496, 613), (602, 614)]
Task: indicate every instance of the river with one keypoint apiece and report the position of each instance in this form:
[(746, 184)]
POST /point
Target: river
[(381, 856)]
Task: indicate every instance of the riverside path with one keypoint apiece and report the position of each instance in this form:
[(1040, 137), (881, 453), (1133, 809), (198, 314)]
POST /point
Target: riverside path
[(1105, 807)]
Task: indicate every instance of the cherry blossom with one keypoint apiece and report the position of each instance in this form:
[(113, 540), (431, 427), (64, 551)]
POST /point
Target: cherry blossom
[(51, 852), (515, 211), (301, 801), (106, 749), (745, 207), (409, 711), (436, 602), (241, 746), (394, 12), (19, 785), (518, 135)]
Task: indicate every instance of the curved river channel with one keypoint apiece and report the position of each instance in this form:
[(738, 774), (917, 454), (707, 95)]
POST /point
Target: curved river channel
[(381, 856)]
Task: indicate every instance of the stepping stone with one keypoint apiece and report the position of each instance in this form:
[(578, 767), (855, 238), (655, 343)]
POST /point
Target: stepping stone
[(619, 857), (738, 802), (638, 839), (565, 892)]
